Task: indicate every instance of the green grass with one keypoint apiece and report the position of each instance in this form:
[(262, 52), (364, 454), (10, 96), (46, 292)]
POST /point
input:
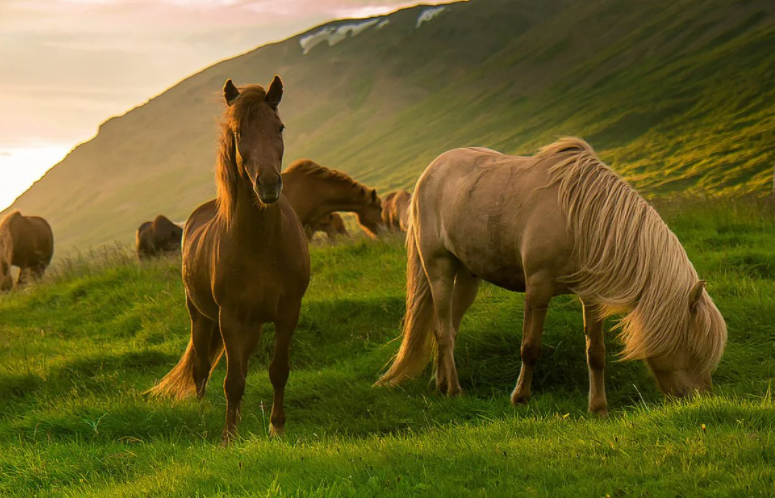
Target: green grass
[(77, 352)]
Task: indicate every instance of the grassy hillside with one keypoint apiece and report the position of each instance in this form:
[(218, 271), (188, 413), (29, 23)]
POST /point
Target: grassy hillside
[(676, 94), (77, 351)]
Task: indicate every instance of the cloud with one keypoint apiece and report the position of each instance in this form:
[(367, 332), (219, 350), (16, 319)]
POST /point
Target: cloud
[(68, 65)]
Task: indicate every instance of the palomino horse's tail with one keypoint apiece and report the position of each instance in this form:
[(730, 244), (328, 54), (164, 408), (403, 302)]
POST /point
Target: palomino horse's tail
[(179, 382), (419, 321)]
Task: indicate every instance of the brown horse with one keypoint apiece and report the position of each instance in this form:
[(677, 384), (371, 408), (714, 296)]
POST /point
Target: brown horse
[(157, 237), (245, 259), (395, 210), (556, 223), (315, 191), (26, 242), (332, 225)]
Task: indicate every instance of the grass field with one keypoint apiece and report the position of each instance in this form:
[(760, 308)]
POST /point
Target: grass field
[(77, 351)]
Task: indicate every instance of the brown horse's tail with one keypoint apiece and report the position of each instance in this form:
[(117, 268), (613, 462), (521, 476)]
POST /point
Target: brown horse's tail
[(179, 382), (419, 321)]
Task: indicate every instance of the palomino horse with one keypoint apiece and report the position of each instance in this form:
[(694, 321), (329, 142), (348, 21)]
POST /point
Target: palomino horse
[(245, 259), (157, 237), (395, 210), (559, 222), (26, 242), (314, 191), (332, 225)]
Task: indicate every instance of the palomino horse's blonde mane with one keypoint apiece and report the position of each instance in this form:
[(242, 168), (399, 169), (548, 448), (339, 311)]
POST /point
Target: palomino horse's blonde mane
[(630, 260), (314, 170)]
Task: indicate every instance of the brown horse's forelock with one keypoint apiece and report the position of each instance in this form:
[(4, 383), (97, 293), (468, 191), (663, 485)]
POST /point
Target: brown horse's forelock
[(313, 170), (227, 172)]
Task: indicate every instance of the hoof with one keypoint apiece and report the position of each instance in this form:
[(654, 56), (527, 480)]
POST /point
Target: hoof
[(454, 391), (519, 398), (276, 432), (600, 411)]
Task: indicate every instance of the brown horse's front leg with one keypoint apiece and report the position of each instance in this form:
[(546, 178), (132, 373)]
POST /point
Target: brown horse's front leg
[(280, 367), (240, 340)]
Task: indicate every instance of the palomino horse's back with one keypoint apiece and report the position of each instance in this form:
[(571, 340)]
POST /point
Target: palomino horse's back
[(491, 212)]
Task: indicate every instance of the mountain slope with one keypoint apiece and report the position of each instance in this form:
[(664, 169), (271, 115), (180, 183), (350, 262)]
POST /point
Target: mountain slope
[(676, 95)]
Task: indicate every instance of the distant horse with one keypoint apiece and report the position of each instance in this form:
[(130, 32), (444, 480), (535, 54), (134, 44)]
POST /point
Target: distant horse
[(395, 210), (245, 259), (157, 237), (26, 242), (559, 222), (314, 191), (332, 225)]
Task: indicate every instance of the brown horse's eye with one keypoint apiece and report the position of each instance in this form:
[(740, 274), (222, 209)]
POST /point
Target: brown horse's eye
[(282, 128)]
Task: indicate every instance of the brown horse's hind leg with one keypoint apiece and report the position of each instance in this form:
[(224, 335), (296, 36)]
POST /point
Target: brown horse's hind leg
[(239, 339), (441, 276), (280, 367), (537, 300), (24, 277), (593, 329), (208, 346)]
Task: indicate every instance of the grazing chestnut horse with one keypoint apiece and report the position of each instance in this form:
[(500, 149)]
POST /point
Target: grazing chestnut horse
[(158, 237), (395, 210), (245, 259), (559, 222), (315, 191), (332, 225), (26, 242)]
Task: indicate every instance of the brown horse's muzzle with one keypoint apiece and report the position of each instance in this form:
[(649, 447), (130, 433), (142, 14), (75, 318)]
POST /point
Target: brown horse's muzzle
[(268, 188)]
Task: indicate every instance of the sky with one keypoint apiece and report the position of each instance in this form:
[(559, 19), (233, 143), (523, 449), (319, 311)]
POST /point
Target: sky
[(68, 65)]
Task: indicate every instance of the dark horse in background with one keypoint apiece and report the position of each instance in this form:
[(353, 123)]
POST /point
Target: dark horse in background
[(332, 225), (26, 242), (157, 237), (245, 259)]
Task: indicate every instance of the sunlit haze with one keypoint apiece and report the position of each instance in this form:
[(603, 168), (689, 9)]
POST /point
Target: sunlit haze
[(68, 65)]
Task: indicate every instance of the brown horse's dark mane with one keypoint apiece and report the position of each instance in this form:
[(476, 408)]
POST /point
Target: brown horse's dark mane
[(227, 172), (314, 170)]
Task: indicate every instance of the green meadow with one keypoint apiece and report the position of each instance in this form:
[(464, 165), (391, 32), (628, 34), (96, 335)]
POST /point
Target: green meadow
[(78, 350)]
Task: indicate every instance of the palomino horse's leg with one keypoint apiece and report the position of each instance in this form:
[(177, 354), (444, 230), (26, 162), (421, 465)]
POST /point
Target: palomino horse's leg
[(441, 275), (593, 329), (466, 289), (537, 300), (280, 367), (240, 340), (207, 345)]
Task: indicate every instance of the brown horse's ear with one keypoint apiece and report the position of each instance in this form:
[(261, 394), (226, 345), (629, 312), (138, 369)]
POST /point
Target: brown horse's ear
[(230, 92), (695, 295), (374, 196), (275, 93)]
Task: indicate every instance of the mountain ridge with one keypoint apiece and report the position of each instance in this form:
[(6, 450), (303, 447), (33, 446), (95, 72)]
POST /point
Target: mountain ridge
[(676, 96)]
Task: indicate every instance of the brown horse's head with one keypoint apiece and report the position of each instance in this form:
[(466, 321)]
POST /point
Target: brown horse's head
[(251, 144), (167, 234), (687, 369), (370, 215)]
